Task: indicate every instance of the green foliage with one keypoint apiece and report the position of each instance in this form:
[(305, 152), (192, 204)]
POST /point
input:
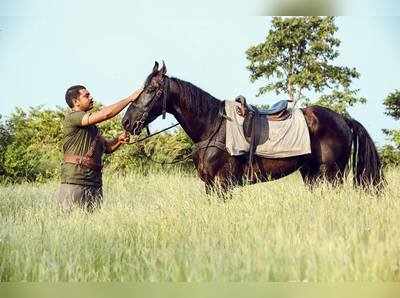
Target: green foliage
[(4, 141), (393, 135), (151, 154), (390, 156), (33, 151), (392, 104), (339, 101), (391, 153), (31, 147), (147, 155), (262, 106), (296, 57)]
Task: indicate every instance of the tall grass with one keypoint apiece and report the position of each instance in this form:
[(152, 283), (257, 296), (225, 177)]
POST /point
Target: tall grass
[(165, 228)]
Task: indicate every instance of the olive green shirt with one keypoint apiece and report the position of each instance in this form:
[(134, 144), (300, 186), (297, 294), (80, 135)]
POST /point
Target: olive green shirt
[(77, 141)]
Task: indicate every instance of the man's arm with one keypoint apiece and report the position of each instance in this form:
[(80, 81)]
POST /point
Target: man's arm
[(109, 111), (113, 145)]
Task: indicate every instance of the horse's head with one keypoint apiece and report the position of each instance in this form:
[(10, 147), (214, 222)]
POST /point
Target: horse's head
[(151, 102)]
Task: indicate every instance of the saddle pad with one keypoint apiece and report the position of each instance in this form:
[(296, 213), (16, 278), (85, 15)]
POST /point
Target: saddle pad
[(286, 138)]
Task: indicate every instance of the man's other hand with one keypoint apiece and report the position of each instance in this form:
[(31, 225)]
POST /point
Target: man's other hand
[(124, 138)]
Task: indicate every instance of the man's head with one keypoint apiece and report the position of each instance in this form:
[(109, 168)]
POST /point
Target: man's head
[(78, 97)]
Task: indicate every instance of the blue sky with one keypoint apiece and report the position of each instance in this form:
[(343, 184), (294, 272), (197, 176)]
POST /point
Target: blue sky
[(46, 48)]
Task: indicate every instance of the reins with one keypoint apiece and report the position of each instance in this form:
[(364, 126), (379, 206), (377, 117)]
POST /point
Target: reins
[(151, 135), (197, 147), (156, 161)]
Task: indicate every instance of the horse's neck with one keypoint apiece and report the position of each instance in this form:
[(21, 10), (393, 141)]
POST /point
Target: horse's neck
[(195, 110)]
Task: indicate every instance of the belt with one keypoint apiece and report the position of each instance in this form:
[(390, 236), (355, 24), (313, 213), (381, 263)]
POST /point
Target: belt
[(82, 161)]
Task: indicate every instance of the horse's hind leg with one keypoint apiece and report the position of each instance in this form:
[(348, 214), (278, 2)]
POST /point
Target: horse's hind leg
[(332, 173), (311, 174)]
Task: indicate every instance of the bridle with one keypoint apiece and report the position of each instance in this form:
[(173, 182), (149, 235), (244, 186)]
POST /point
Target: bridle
[(162, 93)]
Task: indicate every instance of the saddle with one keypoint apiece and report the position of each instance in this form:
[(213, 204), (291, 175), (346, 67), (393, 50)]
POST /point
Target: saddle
[(255, 123)]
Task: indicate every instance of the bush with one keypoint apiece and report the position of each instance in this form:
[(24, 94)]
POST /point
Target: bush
[(31, 147), (153, 154), (33, 150), (390, 156), (391, 153), (4, 141)]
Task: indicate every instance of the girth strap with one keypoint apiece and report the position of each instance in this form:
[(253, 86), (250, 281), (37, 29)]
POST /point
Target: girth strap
[(85, 161)]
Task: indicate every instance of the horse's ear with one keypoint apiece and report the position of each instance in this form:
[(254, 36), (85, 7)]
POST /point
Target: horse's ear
[(155, 68), (163, 68)]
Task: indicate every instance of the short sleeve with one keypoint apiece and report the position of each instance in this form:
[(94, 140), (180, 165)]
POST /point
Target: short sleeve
[(75, 118)]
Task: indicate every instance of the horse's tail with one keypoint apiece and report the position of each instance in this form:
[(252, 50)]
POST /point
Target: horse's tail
[(367, 169)]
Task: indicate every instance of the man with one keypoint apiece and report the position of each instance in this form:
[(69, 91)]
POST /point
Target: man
[(83, 147)]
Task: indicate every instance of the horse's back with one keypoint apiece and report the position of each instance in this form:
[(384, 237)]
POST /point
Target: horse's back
[(330, 134), (322, 121)]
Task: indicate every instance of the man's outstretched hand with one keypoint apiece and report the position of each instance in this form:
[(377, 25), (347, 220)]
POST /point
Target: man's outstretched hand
[(135, 95)]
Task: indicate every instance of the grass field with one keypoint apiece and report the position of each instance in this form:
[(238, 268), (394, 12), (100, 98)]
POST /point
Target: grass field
[(164, 228)]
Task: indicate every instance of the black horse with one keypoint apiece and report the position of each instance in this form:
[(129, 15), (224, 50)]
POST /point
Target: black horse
[(332, 136)]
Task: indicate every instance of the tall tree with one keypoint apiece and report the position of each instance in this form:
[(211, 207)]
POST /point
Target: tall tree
[(296, 57)]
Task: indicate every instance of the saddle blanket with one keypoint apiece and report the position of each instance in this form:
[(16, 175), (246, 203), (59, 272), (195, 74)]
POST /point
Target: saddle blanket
[(287, 138)]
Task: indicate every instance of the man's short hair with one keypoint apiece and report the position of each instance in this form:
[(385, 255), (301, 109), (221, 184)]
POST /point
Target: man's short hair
[(72, 93)]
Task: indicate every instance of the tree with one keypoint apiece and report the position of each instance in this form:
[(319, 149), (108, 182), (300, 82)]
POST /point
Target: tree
[(297, 56), (31, 147), (4, 141), (33, 151), (391, 153), (392, 104)]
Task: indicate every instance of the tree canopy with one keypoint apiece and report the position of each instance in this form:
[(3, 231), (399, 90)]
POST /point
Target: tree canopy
[(297, 56)]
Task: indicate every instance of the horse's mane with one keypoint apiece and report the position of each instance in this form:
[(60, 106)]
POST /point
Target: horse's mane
[(196, 99)]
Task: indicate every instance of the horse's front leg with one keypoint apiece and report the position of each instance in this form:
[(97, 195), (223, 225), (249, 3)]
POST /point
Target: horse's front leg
[(220, 187), (217, 169)]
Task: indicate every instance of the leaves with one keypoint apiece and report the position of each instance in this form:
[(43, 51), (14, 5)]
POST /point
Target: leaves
[(339, 100), (297, 56), (392, 104), (391, 154), (31, 146)]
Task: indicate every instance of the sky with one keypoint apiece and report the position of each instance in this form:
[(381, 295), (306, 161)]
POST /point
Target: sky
[(47, 46)]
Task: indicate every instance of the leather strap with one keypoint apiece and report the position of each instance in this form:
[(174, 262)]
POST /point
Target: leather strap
[(207, 144), (82, 161), (86, 160)]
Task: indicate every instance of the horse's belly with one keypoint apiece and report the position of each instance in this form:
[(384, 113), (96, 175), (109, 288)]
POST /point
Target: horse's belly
[(270, 169)]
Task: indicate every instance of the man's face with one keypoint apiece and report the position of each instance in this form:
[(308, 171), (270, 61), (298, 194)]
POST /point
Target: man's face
[(84, 101)]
